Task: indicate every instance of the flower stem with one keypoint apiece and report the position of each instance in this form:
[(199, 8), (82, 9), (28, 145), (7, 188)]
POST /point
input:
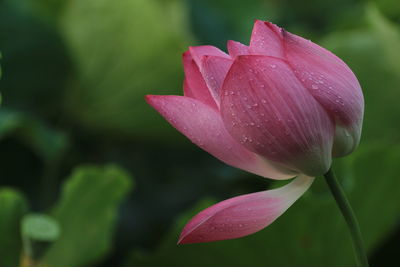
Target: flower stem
[(348, 214)]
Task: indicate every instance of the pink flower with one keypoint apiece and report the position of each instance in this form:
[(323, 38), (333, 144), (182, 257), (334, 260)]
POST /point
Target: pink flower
[(279, 108)]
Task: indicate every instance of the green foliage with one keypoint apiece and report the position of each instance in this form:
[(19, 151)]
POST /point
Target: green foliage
[(235, 23), (38, 231), (34, 63), (40, 227), (87, 213), (312, 231), (47, 143), (122, 51), (85, 67), (388, 36), (13, 206)]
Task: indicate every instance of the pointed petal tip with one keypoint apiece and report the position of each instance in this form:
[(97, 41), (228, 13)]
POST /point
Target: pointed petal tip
[(180, 241), (185, 54), (149, 98)]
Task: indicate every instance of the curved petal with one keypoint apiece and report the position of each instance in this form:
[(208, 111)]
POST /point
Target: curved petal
[(243, 215), (198, 52), (194, 84), (333, 85), (214, 70), (266, 39), (237, 49), (267, 109), (204, 127)]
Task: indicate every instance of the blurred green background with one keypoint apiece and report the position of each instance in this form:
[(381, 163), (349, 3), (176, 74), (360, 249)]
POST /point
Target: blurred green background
[(90, 175)]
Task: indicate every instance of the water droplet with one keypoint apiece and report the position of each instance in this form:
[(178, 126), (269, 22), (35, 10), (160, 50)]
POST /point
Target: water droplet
[(263, 101), (273, 66)]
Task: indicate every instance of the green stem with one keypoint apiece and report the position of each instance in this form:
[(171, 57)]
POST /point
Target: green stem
[(348, 214)]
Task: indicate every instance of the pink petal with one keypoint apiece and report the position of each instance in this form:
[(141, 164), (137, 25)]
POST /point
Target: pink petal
[(197, 52), (333, 85), (194, 85), (237, 49), (203, 126), (266, 39), (266, 108), (243, 215), (214, 70)]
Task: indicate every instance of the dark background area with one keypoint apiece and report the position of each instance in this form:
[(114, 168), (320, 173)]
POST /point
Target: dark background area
[(79, 144)]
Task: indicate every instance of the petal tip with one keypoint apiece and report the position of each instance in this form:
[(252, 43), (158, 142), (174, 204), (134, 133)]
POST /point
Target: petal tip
[(149, 98)]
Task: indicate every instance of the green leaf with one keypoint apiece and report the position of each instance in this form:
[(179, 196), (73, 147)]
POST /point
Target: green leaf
[(312, 232), (13, 206), (38, 231), (40, 227), (388, 36), (87, 214), (122, 51)]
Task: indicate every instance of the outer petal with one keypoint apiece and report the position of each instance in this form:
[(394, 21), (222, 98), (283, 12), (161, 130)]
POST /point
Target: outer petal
[(237, 49), (194, 84), (204, 127), (214, 70), (267, 109), (243, 215), (266, 40), (198, 52), (334, 86)]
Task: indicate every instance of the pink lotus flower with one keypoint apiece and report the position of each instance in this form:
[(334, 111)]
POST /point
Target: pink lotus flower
[(279, 108)]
